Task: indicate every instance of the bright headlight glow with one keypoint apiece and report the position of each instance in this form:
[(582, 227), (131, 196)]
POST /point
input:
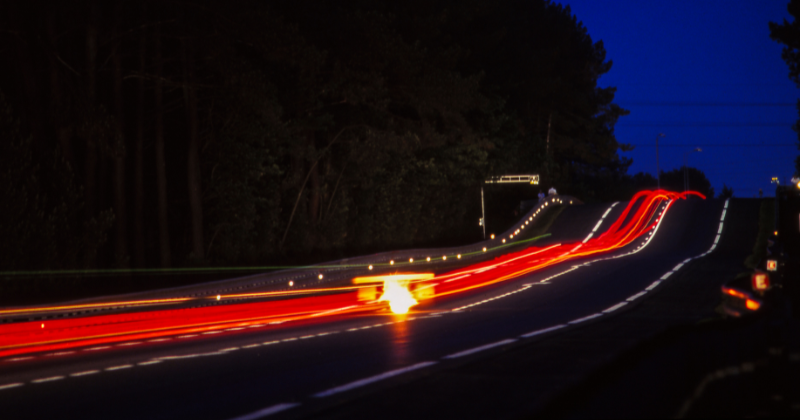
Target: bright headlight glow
[(398, 296)]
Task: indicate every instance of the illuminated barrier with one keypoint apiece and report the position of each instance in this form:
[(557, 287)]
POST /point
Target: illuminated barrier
[(395, 277)]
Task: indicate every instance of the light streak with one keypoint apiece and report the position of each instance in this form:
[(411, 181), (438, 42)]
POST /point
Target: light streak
[(640, 217)]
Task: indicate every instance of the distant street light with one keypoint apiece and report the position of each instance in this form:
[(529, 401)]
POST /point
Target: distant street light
[(658, 170), (685, 168)]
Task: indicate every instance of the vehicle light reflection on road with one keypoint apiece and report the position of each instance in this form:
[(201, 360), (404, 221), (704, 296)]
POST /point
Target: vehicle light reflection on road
[(400, 342)]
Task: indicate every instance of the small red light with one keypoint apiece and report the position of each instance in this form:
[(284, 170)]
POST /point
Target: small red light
[(760, 281), (772, 265), (752, 305), (734, 292)]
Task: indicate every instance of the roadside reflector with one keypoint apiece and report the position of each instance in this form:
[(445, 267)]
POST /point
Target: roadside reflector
[(760, 281)]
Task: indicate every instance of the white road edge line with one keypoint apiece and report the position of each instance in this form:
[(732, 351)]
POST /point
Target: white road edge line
[(479, 348), (543, 331), (636, 296), (586, 318), (264, 412), (653, 285), (371, 379), (615, 307)]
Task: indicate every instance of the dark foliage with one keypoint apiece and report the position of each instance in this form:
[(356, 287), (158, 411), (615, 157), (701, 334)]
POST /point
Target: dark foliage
[(788, 34), (727, 192), (687, 178), (254, 132)]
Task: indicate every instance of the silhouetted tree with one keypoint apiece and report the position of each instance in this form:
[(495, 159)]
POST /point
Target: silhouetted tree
[(674, 181), (727, 192), (788, 34), (248, 132)]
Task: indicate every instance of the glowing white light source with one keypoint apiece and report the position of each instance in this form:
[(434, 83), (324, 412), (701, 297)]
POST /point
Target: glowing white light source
[(398, 296), (291, 283)]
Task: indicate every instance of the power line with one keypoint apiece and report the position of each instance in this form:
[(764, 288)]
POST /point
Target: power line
[(718, 145), (711, 104), (701, 124)]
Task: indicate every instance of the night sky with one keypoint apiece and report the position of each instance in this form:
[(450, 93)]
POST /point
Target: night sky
[(706, 74)]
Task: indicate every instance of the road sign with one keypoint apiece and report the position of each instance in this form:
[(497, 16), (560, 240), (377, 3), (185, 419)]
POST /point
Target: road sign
[(514, 179)]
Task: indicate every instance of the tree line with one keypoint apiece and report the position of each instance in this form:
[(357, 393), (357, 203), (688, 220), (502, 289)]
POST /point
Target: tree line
[(161, 134), (788, 34)]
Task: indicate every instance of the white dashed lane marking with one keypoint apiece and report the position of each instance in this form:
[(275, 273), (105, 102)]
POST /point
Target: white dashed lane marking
[(112, 368), (636, 296), (542, 331), (50, 379), (479, 349), (372, 379), (84, 373)]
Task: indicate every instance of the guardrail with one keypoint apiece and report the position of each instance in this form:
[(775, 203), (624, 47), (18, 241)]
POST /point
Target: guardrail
[(326, 274), (412, 259)]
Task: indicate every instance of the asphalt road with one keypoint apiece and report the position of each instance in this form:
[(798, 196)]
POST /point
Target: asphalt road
[(316, 369)]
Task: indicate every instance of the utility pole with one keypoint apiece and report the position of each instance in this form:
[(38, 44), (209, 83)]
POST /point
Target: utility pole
[(658, 169), (686, 169), (505, 179), (483, 215)]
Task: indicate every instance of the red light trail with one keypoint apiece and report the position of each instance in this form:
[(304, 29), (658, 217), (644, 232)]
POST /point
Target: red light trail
[(638, 218)]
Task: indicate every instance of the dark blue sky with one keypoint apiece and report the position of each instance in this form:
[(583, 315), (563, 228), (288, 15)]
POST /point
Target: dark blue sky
[(706, 74)]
